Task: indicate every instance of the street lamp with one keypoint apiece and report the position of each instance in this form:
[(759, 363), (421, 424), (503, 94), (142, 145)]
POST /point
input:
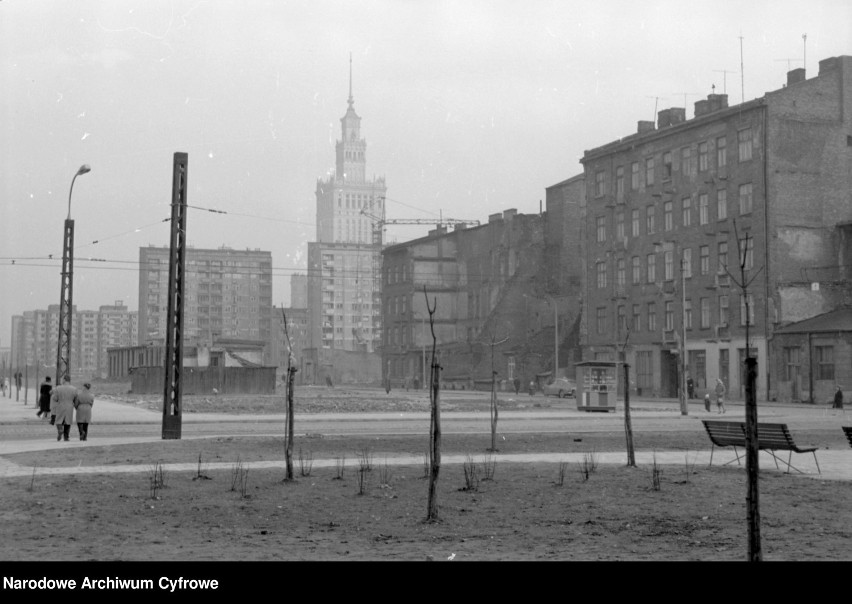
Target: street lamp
[(63, 341)]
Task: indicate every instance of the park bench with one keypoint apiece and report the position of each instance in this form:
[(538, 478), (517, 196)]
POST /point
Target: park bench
[(847, 430), (770, 438)]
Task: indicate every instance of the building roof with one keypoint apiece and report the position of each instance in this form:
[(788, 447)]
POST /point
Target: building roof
[(836, 320)]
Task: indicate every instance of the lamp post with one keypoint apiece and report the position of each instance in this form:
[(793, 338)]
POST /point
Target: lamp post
[(63, 341), (552, 300), (673, 248)]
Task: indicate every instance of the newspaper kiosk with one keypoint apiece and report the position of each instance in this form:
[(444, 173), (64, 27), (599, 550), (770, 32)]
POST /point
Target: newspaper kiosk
[(597, 385)]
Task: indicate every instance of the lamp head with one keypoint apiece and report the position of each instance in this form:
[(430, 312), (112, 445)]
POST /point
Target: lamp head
[(83, 169)]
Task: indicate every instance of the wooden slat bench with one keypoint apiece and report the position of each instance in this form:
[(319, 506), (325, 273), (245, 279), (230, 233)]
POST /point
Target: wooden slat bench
[(725, 434), (847, 430), (770, 438)]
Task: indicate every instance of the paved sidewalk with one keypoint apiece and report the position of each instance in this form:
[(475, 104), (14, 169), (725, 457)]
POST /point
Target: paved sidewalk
[(834, 464)]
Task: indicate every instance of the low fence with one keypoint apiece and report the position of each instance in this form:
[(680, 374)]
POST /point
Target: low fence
[(202, 380)]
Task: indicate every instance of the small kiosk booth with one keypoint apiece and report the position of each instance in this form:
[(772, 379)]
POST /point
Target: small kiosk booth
[(597, 385)]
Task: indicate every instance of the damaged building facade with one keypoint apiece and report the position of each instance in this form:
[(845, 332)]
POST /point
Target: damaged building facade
[(677, 208), (504, 295)]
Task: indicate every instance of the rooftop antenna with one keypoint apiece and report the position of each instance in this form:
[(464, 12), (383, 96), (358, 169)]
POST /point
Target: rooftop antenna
[(724, 73), (656, 100), (805, 52), (685, 94), (742, 69), (788, 62), (351, 101)]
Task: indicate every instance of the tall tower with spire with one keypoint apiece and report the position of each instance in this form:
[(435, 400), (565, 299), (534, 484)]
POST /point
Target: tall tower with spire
[(344, 289)]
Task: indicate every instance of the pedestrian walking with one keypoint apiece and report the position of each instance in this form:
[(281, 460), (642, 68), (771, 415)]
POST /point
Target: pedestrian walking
[(720, 395), (63, 408), (838, 398), (707, 402), (83, 405), (690, 387), (517, 384), (44, 392)]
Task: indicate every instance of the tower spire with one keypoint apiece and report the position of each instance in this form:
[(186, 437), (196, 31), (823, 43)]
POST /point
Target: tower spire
[(351, 101)]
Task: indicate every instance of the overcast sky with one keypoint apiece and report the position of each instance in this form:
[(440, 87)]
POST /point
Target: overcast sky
[(468, 108)]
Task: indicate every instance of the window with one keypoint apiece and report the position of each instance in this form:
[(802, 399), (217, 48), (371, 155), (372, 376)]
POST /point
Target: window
[(721, 204), (747, 309), (600, 268), (652, 316), (600, 224), (599, 183), (668, 265), (721, 152), (619, 180), (687, 211), (667, 165), (637, 318), (744, 144), (619, 225), (669, 315), (601, 319), (636, 270), (747, 250), (723, 310), (685, 161), (792, 356), (824, 356), (705, 313), (644, 370), (649, 220), (620, 272), (686, 267), (687, 314), (745, 198), (704, 259), (668, 222), (634, 175), (622, 319), (703, 208), (649, 171), (723, 257), (703, 161), (635, 222), (652, 268)]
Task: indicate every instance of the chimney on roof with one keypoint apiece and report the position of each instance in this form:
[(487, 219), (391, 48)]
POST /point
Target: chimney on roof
[(671, 116), (645, 126), (796, 75), (495, 217), (508, 214), (827, 65), (713, 102)]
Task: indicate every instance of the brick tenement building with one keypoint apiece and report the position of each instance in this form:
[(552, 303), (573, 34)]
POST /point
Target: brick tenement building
[(492, 283), (675, 204)]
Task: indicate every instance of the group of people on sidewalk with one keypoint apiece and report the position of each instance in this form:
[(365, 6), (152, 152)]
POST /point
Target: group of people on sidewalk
[(62, 402)]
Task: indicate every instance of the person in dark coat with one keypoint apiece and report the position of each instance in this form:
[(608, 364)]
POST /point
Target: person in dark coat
[(838, 399), (63, 408), (44, 393), (83, 405)]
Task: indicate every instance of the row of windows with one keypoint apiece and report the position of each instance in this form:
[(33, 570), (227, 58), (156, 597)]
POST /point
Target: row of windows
[(649, 266), (745, 201), (649, 167), (355, 201), (649, 323), (823, 360)]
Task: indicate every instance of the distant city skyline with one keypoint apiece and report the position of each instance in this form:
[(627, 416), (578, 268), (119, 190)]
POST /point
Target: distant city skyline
[(471, 108)]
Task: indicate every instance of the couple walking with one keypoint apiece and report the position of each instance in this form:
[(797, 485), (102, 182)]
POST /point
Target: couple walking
[(720, 397), (64, 400)]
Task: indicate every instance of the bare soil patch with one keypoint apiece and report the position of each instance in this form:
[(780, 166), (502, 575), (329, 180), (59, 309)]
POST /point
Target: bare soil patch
[(522, 513)]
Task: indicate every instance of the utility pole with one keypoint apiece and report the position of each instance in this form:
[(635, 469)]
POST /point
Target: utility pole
[(172, 405), (684, 406)]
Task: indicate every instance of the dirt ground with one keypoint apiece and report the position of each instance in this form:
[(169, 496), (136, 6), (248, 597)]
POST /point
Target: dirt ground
[(511, 511)]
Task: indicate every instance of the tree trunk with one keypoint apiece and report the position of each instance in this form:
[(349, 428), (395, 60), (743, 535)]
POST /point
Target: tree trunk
[(628, 428), (755, 554), (291, 375), (434, 442), (493, 411)]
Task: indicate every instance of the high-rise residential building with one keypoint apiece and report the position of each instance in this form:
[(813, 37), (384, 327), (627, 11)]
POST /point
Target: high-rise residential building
[(299, 290), (227, 294), (682, 213), (343, 293), (34, 336)]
